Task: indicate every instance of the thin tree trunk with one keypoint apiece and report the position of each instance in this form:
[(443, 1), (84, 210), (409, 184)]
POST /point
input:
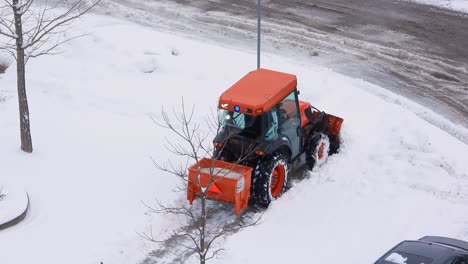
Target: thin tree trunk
[(203, 229), (25, 131)]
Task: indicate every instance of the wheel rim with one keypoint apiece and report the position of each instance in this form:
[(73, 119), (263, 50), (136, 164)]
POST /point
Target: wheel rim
[(321, 151), (277, 180)]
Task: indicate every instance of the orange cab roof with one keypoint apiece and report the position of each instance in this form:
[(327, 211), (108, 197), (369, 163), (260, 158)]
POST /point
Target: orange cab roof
[(258, 92)]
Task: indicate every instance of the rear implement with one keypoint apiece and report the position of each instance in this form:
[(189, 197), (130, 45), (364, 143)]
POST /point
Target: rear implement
[(221, 181)]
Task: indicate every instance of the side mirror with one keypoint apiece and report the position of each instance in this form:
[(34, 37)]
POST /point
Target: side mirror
[(298, 92)]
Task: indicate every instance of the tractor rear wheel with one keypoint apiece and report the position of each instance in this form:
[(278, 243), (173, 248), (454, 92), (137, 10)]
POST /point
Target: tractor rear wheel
[(270, 178), (318, 150)]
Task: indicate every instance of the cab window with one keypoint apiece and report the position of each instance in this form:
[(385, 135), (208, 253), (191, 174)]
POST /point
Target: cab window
[(288, 113)]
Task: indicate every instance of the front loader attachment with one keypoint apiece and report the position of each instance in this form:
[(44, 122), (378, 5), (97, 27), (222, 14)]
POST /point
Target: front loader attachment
[(311, 115), (333, 124), (220, 180)]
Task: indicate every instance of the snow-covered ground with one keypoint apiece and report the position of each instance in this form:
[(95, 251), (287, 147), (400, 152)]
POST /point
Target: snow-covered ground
[(397, 176), (457, 5)]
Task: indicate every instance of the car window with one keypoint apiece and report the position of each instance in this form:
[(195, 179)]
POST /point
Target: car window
[(400, 257), (456, 260)]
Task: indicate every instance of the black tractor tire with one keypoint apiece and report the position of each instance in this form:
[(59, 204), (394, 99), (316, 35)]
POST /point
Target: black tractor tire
[(270, 179), (318, 150)]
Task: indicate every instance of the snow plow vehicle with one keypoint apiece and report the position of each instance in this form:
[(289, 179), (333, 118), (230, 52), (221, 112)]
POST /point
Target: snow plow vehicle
[(264, 130)]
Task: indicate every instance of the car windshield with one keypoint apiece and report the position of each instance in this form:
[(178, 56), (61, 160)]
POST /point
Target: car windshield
[(399, 257), (234, 119)]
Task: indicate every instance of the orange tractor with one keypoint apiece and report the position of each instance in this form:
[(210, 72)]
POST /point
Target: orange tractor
[(265, 130)]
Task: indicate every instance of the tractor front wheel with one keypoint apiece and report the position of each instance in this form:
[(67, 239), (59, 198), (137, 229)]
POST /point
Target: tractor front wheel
[(318, 150), (270, 178)]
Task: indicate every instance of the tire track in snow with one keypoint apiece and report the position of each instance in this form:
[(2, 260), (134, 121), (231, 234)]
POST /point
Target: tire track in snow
[(221, 217)]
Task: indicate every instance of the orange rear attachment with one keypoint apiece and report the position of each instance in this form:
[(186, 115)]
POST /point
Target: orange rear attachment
[(225, 181)]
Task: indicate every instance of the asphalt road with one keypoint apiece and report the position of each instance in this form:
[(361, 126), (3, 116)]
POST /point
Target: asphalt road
[(418, 51)]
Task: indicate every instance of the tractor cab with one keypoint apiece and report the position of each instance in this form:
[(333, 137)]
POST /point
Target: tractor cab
[(260, 113)]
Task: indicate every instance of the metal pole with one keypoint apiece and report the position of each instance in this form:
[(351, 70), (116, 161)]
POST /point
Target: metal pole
[(259, 20)]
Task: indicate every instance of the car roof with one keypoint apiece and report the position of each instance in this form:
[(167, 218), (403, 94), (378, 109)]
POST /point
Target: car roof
[(463, 245), (258, 90)]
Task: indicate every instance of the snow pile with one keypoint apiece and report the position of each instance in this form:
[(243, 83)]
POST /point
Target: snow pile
[(457, 5), (397, 177), (396, 258)]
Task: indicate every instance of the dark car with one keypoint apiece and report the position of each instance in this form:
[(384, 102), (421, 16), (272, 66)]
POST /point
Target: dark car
[(427, 250)]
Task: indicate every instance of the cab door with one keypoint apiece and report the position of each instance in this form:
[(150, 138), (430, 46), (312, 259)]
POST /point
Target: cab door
[(290, 122)]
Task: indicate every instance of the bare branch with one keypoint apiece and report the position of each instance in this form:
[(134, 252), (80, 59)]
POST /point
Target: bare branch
[(22, 9), (45, 27), (13, 36), (203, 230), (6, 24), (49, 51), (214, 253)]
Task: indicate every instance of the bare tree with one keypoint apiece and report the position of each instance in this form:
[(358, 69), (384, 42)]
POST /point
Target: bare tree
[(32, 31), (200, 235)]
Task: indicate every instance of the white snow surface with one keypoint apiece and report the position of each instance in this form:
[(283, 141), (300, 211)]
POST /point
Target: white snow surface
[(396, 177), (457, 5)]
